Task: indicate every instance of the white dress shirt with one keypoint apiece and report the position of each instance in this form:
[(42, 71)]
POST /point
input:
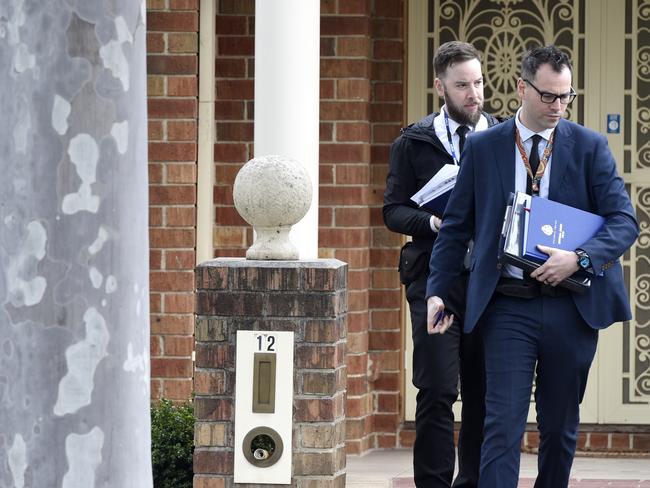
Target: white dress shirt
[(521, 173)]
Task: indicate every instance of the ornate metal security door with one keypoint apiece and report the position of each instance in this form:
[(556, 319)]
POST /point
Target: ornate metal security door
[(609, 44)]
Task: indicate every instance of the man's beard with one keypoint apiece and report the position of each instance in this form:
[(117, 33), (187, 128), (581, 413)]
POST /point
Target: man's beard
[(460, 116)]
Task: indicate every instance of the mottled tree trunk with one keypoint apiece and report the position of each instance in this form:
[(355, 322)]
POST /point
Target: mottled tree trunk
[(74, 301)]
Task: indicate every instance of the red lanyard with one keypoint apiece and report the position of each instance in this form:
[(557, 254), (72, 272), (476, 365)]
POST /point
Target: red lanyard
[(543, 162)]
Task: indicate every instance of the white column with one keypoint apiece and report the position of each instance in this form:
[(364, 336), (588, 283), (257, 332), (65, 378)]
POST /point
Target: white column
[(287, 57)]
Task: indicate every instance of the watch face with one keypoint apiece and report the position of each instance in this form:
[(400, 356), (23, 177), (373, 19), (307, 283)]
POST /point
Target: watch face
[(584, 262)]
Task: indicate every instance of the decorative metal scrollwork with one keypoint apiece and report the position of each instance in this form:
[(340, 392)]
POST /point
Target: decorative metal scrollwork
[(503, 30)]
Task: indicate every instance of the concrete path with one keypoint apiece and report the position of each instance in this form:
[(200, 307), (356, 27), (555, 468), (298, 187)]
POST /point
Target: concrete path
[(393, 469)]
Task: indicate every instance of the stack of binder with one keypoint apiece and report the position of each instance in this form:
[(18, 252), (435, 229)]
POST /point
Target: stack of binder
[(434, 196), (532, 221)]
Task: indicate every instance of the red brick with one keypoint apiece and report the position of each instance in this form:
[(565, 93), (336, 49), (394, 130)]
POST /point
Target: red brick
[(227, 109), (620, 442), (172, 65), (246, 7), (387, 71), (344, 68), (388, 92), (385, 319), (182, 42), (172, 324), (170, 108), (344, 111), (343, 238), (235, 89), (325, 174), (325, 217), (155, 42), (230, 68), (234, 131), (357, 300), (357, 364), (223, 195), (351, 217), (172, 21), (354, 7), (180, 195), (166, 238), (179, 389), (183, 4), (219, 462), (236, 45), (327, 7), (171, 368), (228, 216), (325, 132), (171, 280), (155, 259), (155, 173), (344, 153), (379, 340), (181, 173), (327, 46), (182, 86), (156, 389), (155, 306), (598, 441), (155, 130), (231, 25), (326, 89), (386, 112), (336, 195), (356, 258), (344, 26), (353, 132), (389, 28), (379, 154), (389, 8), (178, 130), (388, 50), (178, 345), (181, 216), (641, 442), (155, 347), (172, 151), (353, 46), (230, 153), (183, 260), (385, 133)]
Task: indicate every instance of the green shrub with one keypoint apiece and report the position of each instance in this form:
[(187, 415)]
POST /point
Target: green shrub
[(172, 444)]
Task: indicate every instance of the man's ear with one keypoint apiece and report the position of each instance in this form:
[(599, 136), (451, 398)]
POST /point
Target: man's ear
[(521, 87), (440, 88)]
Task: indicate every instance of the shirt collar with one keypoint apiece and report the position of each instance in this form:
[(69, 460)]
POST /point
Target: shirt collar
[(526, 133)]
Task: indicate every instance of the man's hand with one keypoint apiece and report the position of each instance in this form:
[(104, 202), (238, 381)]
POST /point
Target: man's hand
[(560, 265), (437, 321)]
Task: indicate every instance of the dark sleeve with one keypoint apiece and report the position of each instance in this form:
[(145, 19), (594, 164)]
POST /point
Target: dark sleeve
[(399, 212), (612, 202)]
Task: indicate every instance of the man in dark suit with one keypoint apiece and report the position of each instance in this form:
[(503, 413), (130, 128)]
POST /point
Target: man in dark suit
[(529, 324), (417, 155)]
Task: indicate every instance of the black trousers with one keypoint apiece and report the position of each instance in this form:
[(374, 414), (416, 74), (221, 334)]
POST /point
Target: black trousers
[(438, 361)]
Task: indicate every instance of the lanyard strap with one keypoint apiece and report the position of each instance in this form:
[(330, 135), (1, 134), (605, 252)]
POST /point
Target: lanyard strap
[(543, 162), (451, 143)]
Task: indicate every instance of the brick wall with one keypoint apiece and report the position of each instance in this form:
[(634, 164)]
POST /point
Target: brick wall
[(172, 67)]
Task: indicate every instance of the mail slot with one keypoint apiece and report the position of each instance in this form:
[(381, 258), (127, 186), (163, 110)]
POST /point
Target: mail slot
[(264, 382)]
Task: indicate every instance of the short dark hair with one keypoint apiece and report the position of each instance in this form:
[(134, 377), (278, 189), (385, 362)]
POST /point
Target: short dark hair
[(551, 55), (453, 52)]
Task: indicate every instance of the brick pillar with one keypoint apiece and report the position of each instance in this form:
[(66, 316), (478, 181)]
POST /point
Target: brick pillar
[(306, 297)]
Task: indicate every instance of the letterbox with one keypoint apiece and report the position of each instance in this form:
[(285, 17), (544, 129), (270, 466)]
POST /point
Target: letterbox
[(263, 407)]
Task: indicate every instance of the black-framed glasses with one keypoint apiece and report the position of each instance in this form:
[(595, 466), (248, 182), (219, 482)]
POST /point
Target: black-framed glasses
[(546, 97)]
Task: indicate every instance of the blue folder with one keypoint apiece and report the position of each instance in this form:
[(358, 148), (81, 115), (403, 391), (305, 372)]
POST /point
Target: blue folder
[(557, 225), (437, 205)]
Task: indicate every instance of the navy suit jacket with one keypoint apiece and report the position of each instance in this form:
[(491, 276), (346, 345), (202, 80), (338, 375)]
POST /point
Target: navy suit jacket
[(583, 175)]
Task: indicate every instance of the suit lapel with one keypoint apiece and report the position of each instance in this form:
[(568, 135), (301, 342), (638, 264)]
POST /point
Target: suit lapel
[(504, 155), (561, 158)]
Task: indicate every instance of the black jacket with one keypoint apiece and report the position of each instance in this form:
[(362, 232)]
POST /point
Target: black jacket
[(415, 156)]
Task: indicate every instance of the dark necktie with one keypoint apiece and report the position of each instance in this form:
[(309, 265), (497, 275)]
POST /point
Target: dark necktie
[(533, 159), (462, 135)]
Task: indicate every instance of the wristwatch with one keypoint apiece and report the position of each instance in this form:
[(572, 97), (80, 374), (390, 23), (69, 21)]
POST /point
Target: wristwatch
[(584, 261)]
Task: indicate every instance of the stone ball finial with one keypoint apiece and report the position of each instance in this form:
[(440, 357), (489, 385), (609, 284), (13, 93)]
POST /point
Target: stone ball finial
[(272, 193)]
